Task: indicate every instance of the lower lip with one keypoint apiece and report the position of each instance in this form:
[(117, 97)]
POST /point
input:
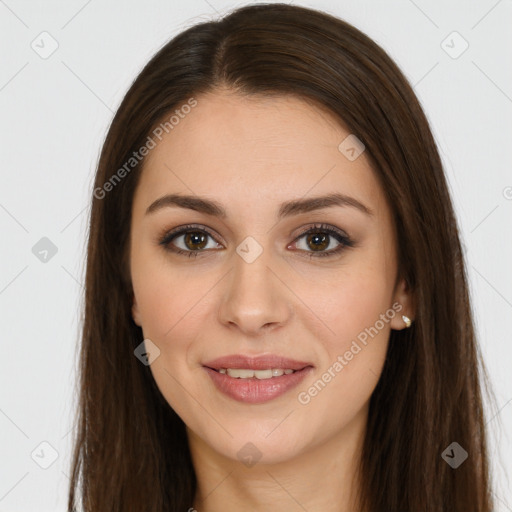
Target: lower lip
[(256, 391)]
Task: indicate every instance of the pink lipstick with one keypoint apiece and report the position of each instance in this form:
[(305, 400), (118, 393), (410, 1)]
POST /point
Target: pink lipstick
[(256, 380)]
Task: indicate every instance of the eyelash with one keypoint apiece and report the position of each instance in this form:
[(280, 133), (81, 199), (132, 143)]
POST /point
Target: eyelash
[(341, 237)]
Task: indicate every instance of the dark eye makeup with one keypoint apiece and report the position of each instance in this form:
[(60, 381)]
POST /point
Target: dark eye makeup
[(321, 235)]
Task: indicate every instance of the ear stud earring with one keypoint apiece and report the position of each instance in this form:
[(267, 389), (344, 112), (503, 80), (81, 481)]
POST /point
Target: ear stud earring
[(407, 321)]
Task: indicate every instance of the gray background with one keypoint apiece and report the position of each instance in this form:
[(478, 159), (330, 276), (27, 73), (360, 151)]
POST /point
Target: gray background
[(54, 114)]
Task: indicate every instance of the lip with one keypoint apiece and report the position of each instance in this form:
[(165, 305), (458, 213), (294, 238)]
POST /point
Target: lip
[(263, 362), (256, 391)]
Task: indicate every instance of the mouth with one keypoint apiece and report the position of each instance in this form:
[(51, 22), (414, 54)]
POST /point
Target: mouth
[(256, 380), (246, 373)]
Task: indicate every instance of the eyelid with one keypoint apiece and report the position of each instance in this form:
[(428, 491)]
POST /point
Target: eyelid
[(167, 235), (344, 240), (321, 226)]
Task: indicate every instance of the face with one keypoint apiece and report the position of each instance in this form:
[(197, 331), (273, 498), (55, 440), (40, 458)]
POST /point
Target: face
[(255, 272)]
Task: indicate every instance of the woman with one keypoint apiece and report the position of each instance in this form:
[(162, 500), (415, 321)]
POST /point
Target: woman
[(277, 309)]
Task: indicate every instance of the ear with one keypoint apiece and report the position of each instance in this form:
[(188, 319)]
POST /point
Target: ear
[(403, 297), (135, 311)]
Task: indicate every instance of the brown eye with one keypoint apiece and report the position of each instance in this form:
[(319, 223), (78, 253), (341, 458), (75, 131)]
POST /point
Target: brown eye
[(189, 240), (317, 241), (322, 240), (195, 240)]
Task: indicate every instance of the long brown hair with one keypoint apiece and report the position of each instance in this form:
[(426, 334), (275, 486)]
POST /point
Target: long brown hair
[(131, 450)]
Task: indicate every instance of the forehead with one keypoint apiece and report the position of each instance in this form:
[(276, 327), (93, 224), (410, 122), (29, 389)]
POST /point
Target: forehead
[(246, 148)]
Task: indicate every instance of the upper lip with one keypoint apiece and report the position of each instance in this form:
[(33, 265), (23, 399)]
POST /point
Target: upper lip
[(263, 362)]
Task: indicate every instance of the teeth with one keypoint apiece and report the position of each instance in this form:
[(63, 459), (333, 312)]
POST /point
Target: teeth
[(242, 373)]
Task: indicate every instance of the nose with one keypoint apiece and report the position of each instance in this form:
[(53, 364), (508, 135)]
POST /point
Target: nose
[(255, 299)]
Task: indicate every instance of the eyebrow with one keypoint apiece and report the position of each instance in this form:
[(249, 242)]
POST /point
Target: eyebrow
[(286, 209)]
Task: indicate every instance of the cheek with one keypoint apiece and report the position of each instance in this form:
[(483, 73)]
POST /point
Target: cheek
[(171, 305), (336, 397), (351, 301), (167, 297), (356, 308)]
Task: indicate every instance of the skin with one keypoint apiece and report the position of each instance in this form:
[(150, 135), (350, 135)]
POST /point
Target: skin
[(250, 154)]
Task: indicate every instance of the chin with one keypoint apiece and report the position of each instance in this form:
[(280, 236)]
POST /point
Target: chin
[(258, 447)]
